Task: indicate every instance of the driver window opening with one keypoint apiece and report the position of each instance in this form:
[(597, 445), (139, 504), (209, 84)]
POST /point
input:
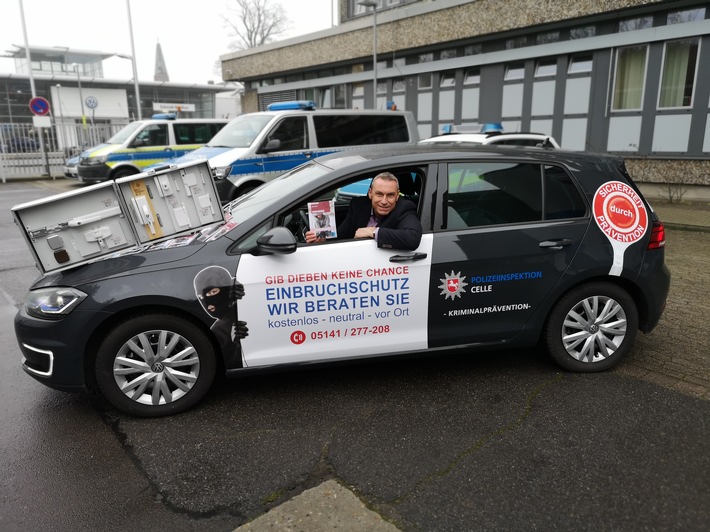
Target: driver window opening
[(296, 218)]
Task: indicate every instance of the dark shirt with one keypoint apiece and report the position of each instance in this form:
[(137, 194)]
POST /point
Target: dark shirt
[(400, 229)]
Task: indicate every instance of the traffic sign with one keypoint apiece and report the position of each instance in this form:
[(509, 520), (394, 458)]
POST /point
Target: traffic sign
[(39, 106)]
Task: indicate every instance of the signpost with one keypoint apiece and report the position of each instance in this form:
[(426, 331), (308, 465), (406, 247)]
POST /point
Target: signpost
[(39, 106)]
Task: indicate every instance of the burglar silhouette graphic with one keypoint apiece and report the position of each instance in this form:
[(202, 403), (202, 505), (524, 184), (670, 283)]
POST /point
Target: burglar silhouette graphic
[(218, 293)]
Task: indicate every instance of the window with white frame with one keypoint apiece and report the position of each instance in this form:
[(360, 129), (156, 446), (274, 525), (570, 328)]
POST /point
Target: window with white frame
[(425, 80), (513, 72), (629, 78), (577, 64), (472, 77), (546, 67), (678, 76), (447, 79)]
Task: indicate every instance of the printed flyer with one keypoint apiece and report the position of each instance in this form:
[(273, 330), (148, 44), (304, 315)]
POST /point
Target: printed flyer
[(321, 216)]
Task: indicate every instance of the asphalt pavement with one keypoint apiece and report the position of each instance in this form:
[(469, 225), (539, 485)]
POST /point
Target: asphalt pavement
[(333, 506)]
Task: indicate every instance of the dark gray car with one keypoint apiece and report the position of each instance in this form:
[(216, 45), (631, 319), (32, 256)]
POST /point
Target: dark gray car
[(519, 247)]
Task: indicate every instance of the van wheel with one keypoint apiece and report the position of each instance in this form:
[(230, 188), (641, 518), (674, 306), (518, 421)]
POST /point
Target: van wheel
[(155, 365), (123, 172), (592, 327)]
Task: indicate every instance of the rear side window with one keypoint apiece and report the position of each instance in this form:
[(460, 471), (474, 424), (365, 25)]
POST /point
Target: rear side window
[(195, 133), (358, 130), (492, 193), (562, 199)]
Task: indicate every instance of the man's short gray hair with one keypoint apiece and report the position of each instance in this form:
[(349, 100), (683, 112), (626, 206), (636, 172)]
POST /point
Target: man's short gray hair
[(386, 176)]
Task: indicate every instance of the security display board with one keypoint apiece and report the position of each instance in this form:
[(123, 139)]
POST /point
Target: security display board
[(72, 228)]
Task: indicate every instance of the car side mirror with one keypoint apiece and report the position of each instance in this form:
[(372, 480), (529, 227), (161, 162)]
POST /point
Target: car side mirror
[(137, 143), (271, 145), (276, 241)]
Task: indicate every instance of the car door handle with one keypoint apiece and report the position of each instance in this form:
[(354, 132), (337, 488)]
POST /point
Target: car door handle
[(556, 244), (407, 258)]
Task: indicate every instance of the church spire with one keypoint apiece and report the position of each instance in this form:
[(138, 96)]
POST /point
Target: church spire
[(161, 71)]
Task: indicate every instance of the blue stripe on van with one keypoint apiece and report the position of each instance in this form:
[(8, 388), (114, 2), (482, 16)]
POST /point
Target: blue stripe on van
[(273, 163)]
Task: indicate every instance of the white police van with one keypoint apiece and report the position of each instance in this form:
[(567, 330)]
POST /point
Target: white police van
[(257, 147)]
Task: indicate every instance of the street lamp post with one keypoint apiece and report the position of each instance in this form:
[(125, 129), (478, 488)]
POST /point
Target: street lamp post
[(133, 58), (81, 98), (135, 82), (373, 5)]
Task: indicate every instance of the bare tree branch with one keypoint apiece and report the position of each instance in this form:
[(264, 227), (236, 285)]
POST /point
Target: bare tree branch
[(255, 22)]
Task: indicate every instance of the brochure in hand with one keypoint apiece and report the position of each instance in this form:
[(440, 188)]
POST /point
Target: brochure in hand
[(321, 216)]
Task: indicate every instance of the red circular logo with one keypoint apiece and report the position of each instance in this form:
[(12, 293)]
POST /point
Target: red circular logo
[(298, 337), (620, 212)]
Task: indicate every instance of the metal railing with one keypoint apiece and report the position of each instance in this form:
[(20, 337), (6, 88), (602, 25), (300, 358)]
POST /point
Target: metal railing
[(21, 154)]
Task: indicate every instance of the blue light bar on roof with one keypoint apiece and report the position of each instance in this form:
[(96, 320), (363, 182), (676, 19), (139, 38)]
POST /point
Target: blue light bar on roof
[(492, 127), (304, 105), (164, 116)]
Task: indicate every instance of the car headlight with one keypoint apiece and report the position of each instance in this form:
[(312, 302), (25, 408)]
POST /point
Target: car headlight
[(94, 161), (222, 172), (53, 303)]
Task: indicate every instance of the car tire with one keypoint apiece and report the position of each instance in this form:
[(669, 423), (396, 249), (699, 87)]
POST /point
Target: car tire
[(124, 172), (155, 365), (592, 327)]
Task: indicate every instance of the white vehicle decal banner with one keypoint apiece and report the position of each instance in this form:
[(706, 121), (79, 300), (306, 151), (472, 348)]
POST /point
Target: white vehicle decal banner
[(328, 301)]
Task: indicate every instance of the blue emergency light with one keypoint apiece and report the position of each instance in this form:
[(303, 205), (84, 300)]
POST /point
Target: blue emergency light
[(164, 116), (492, 127), (303, 105)]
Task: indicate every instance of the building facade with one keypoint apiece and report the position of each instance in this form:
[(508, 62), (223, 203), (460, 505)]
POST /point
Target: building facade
[(620, 76), (85, 107)]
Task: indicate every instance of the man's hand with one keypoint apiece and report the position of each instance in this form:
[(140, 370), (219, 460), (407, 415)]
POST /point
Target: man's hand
[(365, 232), (311, 237)]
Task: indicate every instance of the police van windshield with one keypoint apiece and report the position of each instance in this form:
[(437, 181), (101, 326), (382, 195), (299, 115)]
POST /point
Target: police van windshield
[(240, 132), (123, 135)]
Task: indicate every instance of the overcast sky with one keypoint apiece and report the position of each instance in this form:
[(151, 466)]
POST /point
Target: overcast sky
[(191, 34)]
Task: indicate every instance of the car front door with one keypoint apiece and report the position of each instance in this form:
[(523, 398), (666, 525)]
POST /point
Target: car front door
[(333, 301), (508, 232)]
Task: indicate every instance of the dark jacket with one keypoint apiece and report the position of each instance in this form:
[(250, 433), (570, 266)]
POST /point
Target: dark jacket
[(400, 229)]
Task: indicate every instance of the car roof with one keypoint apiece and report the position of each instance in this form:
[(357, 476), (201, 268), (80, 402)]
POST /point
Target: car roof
[(428, 153)]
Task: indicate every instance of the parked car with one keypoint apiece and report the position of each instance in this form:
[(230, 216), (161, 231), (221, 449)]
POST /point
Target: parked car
[(520, 247), (492, 134), (70, 167), (20, 145)]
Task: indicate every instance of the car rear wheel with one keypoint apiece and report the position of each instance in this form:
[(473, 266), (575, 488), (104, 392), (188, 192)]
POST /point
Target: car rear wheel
[(592, 327), (155, 365)]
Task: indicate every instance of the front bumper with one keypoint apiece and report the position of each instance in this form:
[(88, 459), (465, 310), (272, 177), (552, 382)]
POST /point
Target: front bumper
[(54, 352), (94, 172)]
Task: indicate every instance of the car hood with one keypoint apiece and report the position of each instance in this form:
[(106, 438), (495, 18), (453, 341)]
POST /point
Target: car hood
[(155, 257)]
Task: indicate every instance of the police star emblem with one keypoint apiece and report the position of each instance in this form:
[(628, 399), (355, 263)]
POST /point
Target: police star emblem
[(453, 285)]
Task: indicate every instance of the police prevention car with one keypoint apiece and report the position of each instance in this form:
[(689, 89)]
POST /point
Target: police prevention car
[(519, 247)]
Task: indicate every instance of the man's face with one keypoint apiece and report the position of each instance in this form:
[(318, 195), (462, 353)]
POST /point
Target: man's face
[(384, 195)]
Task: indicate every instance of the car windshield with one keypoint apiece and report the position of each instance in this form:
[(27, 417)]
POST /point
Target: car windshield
[(240, 132), (123, 135), (261, 199)]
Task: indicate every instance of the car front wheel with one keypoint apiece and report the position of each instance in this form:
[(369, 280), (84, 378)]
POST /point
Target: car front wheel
[(592, 327), (155, 365)]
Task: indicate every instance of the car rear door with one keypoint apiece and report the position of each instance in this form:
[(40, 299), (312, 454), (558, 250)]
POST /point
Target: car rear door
[(507, 233)]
